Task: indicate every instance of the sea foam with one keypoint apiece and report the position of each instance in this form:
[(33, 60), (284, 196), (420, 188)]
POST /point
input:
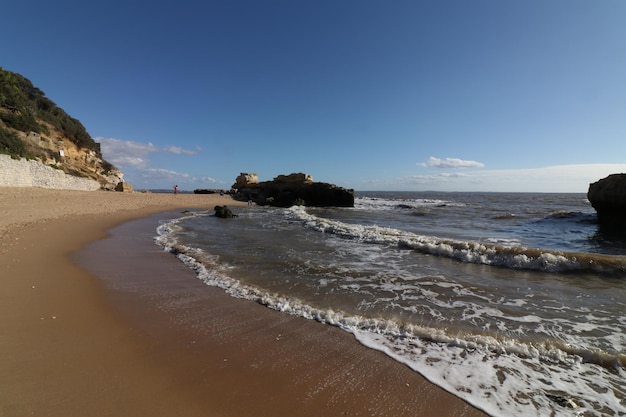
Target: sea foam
[(501, 373), (467, 251)]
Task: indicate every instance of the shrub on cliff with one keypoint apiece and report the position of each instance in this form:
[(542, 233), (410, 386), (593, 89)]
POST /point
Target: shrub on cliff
[(10, 144), (21, 104)]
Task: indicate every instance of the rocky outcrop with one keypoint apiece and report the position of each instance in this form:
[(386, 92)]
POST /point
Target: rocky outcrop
[(110, 181), (245, 179), (608, 198), (210, 191), (293, 189), (296, 177)]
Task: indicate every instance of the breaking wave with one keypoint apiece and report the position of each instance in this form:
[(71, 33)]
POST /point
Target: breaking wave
[(513, 372), (485, 253)]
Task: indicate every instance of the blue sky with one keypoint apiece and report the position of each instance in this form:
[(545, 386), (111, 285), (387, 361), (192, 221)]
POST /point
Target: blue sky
[(372, 95)]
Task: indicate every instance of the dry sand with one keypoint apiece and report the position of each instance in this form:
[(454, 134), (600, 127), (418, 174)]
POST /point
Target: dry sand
[(79, 343)]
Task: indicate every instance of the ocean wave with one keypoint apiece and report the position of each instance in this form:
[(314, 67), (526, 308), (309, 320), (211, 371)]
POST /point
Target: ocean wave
[(214, 273), (520, 377), (516, 257), (381, 204)]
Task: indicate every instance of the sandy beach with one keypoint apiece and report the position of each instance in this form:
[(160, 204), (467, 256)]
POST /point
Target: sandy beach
[(96, 320)]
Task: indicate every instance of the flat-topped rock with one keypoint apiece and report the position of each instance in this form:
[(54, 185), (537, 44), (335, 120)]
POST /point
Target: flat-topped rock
[(296, 177), (245, 179), (292, 189)]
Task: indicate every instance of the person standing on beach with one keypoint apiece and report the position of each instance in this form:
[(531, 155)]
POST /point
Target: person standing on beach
[(176, 189)]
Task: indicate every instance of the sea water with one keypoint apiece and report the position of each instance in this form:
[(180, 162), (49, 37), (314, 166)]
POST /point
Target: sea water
[(514, 302)]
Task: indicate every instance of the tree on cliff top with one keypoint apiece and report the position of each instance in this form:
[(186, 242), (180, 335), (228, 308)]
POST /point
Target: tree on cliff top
[(21, 104)]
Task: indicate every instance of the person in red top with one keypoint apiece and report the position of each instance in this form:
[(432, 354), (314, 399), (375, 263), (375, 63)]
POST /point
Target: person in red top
[(175, 189)]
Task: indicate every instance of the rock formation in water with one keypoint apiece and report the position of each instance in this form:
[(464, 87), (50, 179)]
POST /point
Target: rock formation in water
[(223, 212), (608, 198), (289, 190)]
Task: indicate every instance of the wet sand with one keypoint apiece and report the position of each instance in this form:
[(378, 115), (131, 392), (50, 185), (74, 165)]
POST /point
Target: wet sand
[(117, 327)]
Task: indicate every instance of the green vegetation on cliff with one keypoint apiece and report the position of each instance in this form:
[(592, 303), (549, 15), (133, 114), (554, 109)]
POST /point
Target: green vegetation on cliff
[(11, 144), (22, 105)]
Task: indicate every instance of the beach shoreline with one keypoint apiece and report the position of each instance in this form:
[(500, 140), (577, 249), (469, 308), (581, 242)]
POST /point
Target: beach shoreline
[(79, 341)]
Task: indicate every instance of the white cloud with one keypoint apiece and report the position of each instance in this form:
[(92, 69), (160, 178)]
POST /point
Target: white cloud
[(134, 159), (178, 151), (127, 161), (207, 180), (450, 163), (125, 154), (160, 173)]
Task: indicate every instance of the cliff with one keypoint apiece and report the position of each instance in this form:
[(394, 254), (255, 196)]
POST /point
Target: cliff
[(44, 145)]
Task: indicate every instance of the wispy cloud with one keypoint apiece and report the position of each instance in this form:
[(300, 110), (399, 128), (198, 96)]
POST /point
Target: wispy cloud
[(450, 163), (134, 159), (158, 174), (130, 154), (179, 151), (558, 178)]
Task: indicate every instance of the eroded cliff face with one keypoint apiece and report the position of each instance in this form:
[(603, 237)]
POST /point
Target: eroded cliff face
[(52, 149), (50, 143)]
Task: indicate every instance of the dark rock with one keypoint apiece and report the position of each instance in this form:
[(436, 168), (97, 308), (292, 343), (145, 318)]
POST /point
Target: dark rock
[(223, 212), (294, 189), (608, 198), (124, 187)]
